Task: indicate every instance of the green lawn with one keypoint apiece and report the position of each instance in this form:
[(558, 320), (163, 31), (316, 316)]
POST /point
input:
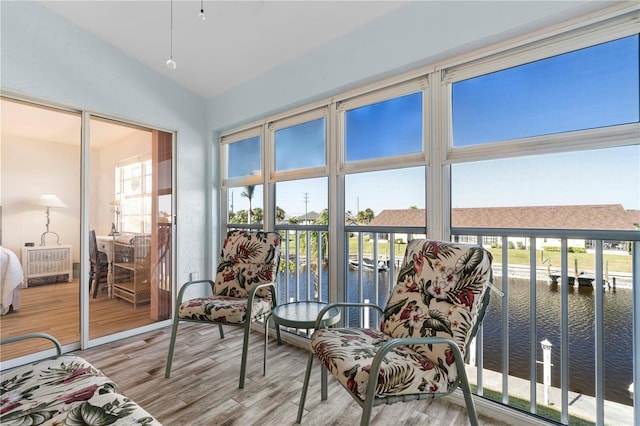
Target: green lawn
[(586, 261)]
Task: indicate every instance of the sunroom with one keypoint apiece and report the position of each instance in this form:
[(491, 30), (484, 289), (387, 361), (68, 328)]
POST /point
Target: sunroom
[(521, 134)]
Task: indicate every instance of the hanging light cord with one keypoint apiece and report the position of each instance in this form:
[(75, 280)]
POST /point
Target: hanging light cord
[(201, 14), (171, 64)]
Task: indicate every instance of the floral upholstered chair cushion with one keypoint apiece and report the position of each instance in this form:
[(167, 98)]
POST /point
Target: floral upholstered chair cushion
[(248, 259), (439, 292), (66, 390)]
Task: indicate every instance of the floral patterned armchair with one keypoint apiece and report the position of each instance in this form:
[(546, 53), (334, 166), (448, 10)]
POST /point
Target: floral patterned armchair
[(244, 289), (64, 390), (432, 315)]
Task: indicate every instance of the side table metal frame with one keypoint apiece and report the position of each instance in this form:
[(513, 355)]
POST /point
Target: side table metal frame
[(301, 315)]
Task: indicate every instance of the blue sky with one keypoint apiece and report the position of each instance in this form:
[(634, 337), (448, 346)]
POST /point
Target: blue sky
[(585, 89)]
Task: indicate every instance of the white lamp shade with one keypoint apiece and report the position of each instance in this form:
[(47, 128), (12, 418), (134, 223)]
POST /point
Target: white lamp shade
[(115, 202), (50, 200)]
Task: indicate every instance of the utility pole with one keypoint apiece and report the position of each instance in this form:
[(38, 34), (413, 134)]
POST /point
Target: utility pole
[(306, 202)]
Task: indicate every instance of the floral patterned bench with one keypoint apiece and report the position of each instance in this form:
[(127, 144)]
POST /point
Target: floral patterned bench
[(64, 390)]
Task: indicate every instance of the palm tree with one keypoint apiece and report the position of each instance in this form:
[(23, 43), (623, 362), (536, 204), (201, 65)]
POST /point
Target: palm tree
[(365, 216), (249, 194), (318, 245)]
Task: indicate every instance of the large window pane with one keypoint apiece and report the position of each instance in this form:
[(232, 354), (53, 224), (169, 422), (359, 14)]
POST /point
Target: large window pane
[(134, 185), (301, 146), (386, 198), (244, 158), (302, 202), (245, 204), (584, 89), (384, 129), (578, 190)]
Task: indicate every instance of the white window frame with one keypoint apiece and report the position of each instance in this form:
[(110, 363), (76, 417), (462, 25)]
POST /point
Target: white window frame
[(228, 139), (604, 29), (303, 173), (144, 195), (420, 84)]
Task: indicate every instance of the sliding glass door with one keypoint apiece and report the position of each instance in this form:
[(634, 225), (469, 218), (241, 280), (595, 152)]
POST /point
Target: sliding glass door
[(130, 218), (85, 263), (40, 201)]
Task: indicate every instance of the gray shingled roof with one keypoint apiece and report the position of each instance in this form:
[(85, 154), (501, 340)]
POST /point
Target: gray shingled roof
[(634, 217), (609, 216), (310, 216)]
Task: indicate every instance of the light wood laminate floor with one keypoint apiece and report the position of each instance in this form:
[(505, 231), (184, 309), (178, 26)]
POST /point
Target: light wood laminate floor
[(54, 309), (203, 388)]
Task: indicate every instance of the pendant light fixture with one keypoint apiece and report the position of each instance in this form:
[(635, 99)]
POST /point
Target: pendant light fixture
[(201, 14), (171, 64)]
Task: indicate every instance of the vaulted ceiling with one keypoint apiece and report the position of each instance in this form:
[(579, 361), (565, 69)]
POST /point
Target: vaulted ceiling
[(238, 40)]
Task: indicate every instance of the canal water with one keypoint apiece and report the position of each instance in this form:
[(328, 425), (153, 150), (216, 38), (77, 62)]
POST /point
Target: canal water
[(618, 357)]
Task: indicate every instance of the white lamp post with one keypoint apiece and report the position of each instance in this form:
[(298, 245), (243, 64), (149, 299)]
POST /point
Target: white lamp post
[(546, 365)]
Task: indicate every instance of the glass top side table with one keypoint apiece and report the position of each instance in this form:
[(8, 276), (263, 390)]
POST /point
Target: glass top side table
[(301, 315)]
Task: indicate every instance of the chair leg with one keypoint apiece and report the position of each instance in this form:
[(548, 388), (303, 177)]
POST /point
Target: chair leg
[(172, 344), (266, 341), (221, 331), (305, 385), (468, 398), (367, 407), (92, 283), (96, 283), (245, 350)]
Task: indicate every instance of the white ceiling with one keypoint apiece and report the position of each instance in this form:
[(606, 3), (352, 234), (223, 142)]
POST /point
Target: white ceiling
[(238, 40)]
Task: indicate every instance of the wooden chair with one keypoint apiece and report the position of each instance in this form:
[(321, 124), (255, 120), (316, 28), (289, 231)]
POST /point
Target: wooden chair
[(99, 269), (418, 352), (244, 289)]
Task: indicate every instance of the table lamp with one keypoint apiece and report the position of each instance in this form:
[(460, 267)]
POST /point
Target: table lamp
[(49, 201), (116, 209)]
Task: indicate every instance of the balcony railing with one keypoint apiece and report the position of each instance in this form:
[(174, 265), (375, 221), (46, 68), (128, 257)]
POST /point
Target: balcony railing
[(590, 325), (596, 288)]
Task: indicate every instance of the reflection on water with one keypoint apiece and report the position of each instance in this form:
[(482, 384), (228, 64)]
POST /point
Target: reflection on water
[(618, 369), (618, 358)]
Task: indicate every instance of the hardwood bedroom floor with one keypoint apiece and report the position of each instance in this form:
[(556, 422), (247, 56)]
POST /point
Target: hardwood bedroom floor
[(54, 309), (203, 388)]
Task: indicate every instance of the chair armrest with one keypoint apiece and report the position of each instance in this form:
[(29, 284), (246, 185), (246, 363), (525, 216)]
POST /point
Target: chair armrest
[(324, 310), (34, 336), (252, 294), (406, 341), (189, 284), (272, 290)]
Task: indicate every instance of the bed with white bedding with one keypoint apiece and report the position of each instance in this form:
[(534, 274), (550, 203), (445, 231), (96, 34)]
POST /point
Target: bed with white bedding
[(11, 277)]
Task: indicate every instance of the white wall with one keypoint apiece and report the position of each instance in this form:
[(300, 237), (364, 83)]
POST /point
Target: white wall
[(31, 169), (46, 57)]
